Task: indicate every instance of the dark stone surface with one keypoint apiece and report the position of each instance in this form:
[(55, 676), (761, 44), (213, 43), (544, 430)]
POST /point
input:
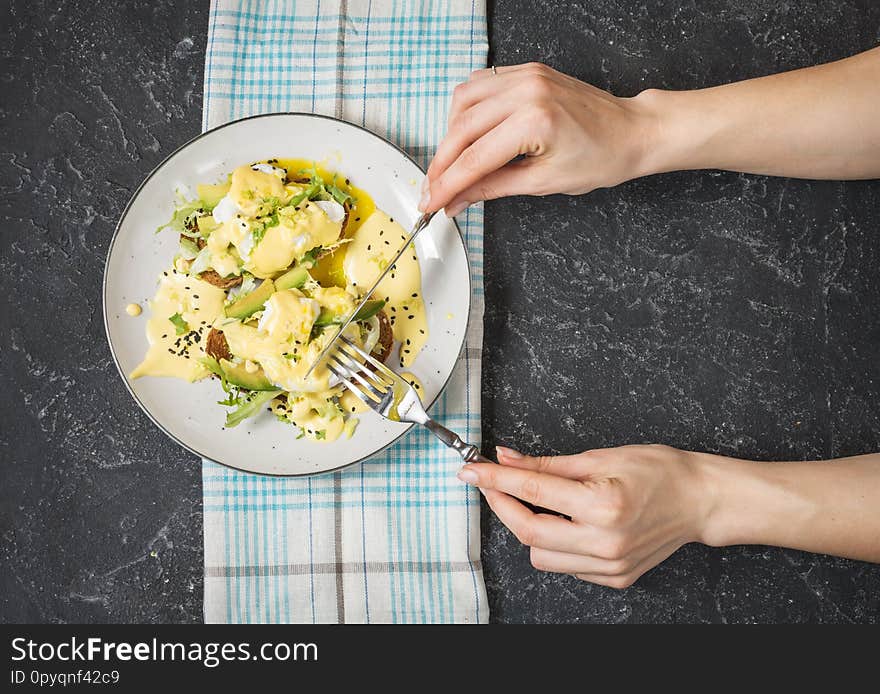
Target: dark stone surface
[(715, 311)]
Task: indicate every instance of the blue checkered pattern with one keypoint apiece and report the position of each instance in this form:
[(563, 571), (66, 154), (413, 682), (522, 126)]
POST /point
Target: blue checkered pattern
[(395, 539)]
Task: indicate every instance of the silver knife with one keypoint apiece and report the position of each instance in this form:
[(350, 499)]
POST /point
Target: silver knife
[(420, 224)]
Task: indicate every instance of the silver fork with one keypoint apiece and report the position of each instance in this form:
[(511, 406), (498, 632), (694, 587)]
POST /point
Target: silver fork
[(385, 392)]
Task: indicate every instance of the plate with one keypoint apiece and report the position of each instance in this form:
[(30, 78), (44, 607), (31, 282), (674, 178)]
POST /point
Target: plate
[(188, 412)]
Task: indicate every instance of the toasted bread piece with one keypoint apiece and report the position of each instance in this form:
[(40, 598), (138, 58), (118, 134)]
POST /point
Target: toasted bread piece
[(382, 350), (216, 345), (212, 277)]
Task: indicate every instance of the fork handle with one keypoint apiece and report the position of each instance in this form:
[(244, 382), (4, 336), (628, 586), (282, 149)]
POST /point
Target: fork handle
[(468, 452)]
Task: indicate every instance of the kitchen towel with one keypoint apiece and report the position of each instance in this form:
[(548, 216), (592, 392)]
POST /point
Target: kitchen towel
[(397, 538)]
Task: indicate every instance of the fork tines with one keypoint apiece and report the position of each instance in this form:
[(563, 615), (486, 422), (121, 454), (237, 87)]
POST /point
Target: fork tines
[(349, 363)]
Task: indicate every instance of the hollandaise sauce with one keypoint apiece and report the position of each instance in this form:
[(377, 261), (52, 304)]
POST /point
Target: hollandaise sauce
[(373, 246), (182, 313)]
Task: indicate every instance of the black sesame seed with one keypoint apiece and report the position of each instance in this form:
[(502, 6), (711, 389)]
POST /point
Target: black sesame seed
[(421, 331), (410, 316), (357, 219)]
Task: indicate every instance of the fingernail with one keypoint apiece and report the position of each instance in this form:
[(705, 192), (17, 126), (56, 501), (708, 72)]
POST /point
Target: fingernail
[(468, 476), (426, 183), (508, 453), (426, 195), (456, 208)]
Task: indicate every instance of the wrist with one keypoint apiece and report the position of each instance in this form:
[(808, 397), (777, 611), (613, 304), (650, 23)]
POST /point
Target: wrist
[(752, 503), (678, 130)]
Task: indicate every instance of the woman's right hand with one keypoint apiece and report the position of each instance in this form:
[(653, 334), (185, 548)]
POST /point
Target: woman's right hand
[(574, 138)]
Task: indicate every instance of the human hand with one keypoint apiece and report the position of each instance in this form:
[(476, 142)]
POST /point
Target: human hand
[(630, 507), (575, 137)]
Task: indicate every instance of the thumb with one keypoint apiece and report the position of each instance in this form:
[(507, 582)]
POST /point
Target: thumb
[(518, 177), (577, 466)]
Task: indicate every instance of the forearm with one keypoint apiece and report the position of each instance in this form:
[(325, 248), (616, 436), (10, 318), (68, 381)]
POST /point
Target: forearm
[(830, 507), (821, 122)]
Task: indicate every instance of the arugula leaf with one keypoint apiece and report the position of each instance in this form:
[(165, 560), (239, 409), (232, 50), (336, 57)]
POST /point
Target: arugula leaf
[(180, 325), (258, 233), (321, 434), (251, 406)]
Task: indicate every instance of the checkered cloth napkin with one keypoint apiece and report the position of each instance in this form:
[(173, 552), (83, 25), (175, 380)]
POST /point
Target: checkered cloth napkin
[(394, 539)]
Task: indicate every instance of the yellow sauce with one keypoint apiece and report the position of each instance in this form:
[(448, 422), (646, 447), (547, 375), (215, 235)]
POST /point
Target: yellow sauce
[(415, 383), (351, 403), (171, 354), (371, 249), (249, 187), (133, 309)]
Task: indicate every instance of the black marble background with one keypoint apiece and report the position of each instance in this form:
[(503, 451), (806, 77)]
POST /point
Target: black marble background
[(723, 312)]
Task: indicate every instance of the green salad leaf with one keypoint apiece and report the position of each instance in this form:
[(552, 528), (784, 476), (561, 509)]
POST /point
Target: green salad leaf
[(180, 325), (183, 212), (251, 406)]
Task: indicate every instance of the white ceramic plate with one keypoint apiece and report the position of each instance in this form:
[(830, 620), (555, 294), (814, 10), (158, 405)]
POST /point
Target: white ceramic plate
[(189, 413)]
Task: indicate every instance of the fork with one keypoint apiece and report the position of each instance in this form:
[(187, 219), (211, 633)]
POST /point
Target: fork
[(384, 391)]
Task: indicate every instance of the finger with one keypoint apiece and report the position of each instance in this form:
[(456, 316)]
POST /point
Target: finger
[(467, 94), (467, 128), (549, 491), (537, 529), (516, 178), (492, 151), (618, 582), (627, 578), (577, 466), (568, 563)]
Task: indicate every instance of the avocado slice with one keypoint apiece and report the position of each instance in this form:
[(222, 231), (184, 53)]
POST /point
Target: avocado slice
[(368, 310), (251, 303), (239, 376), (293, 278), (210, 195)]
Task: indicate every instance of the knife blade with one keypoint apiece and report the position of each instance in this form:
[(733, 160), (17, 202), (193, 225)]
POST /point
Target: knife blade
[(420, 224)]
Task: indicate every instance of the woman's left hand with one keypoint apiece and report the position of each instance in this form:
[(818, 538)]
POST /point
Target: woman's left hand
[(629, 507)]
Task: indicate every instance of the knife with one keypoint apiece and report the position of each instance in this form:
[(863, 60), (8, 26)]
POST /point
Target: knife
[(420, 224)]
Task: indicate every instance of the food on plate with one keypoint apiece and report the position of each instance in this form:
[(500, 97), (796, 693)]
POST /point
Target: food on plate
[(270, 262)]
